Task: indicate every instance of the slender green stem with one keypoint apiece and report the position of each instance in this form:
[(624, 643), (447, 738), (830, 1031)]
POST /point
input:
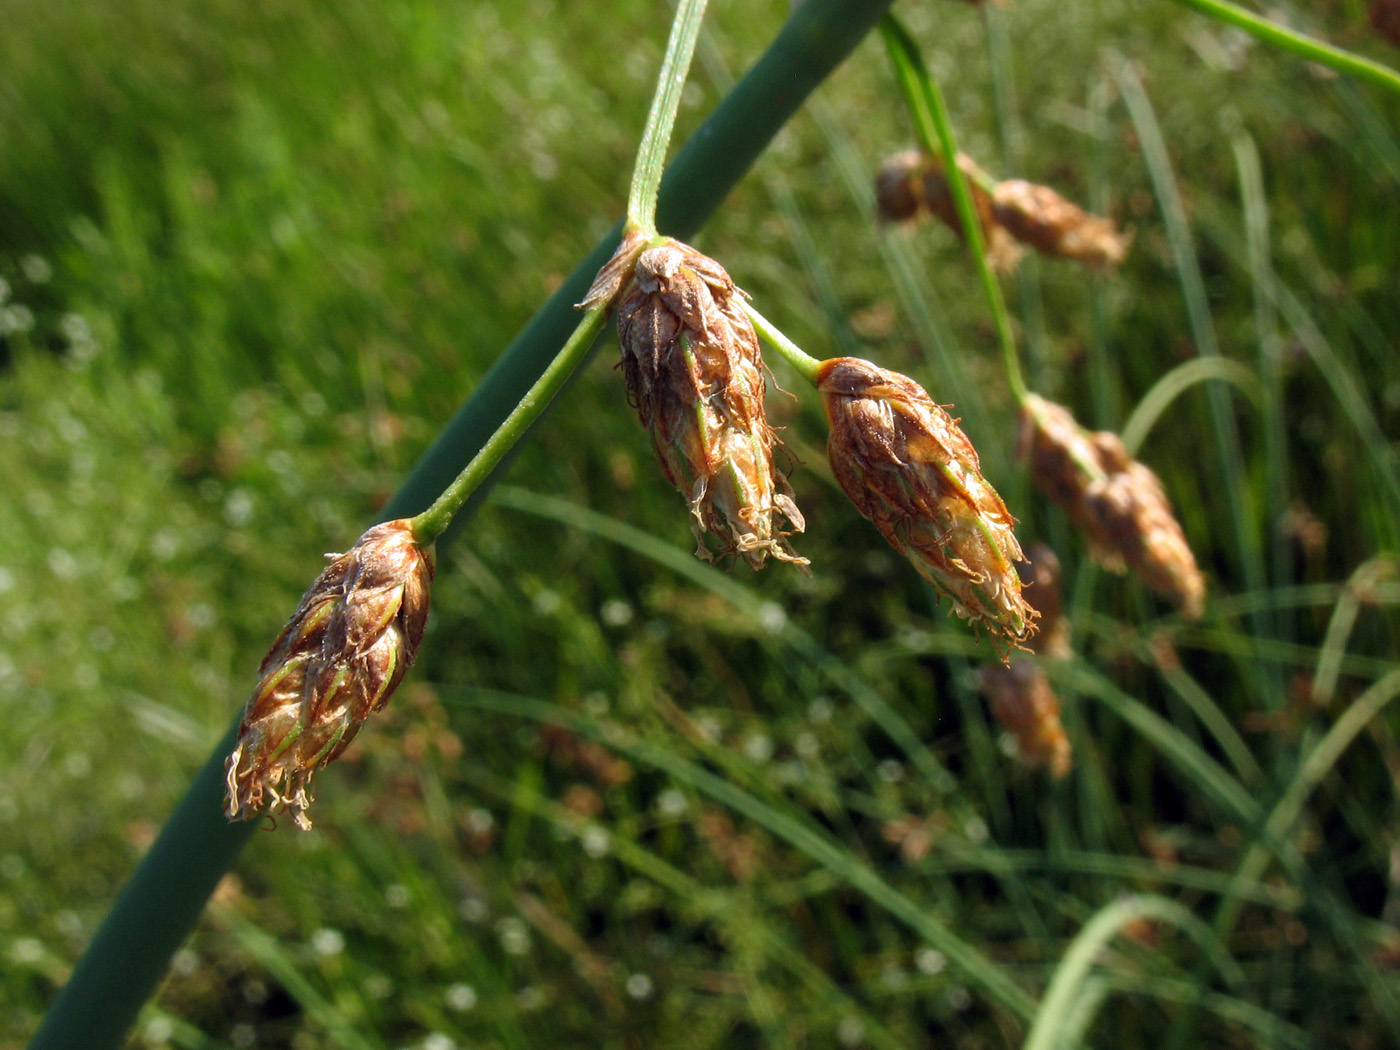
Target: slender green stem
[(651, 152), (429, 525), (1299, 44), (774, 337), (929, 110), (911, 73)]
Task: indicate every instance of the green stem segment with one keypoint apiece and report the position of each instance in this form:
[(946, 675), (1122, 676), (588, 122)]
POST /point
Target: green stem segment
[(930, 113), (651, 151), (773, 336), (1299, 44), (431, 524)]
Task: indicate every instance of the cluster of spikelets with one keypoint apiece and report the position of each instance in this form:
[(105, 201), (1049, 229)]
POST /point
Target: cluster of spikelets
[(1117, 502), (1011, 213), (695, 376), (1019, 692), (337, 661)]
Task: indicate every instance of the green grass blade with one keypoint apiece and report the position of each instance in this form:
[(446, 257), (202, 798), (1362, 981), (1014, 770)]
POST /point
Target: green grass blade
[(977, 967), (1075, 967)]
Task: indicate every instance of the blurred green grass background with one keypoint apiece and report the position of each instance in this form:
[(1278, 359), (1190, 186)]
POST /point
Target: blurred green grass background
[(254, 256)]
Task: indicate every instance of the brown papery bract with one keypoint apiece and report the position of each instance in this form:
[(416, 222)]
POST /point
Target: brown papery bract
[(909, 468), (1116, 501), (338, 660), (695, 376)]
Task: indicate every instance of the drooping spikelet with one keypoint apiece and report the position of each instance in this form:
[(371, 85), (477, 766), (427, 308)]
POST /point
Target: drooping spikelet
[(695, 377), (899, 186), (1038, 216), (912, 184), (908, 467), (338, 659), (1385, 20), (1040, 575), (1025, 706), (1003, 253), (1116, 501)]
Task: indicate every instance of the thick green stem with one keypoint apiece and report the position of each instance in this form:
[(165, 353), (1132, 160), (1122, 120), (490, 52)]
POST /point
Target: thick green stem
[(433, 522), (1299, 44), (774, 337), (661, 118), (927, 105), (159, 905)]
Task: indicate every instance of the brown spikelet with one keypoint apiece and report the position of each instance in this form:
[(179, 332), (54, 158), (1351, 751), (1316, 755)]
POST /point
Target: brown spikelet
[(695, 377), (908, 467), (1116, 501), (911, 185), (1385, 20), (899, 187), (342, 654), (1025, 706), (1003, 253), (1040, 575), (1038, 216)]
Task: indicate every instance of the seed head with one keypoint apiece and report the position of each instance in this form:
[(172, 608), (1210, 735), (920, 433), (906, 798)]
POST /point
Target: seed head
[(1025, 706), (1040, 217), (338, 659), (1117, 502), (907, 466), (1040, 575), (695, 377)]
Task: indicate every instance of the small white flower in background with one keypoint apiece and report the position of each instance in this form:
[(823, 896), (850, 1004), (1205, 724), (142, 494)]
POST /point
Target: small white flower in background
[(891, 771), (327, 942), (595, 841), (670, 803), (850, 1032), (758, 747), (515, 937), (36, 269), (158, 1031), (460, 997), (615, 613), (639, 986), (930, 961)]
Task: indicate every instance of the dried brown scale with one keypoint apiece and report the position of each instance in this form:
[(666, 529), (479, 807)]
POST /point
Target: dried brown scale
[(908, 467), (694, 374), (1040, 217), (616, 272), (337, 661), (1025, 706), (1116, 501)]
